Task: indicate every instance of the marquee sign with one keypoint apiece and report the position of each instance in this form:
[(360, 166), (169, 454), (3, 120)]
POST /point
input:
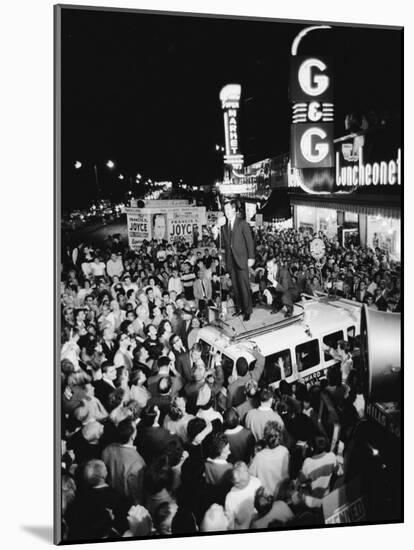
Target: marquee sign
[(311, 94), (230, 101)]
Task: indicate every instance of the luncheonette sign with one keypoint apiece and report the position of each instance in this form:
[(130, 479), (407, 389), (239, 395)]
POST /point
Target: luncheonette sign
[(164, 223), (312, 113), (368, 174)]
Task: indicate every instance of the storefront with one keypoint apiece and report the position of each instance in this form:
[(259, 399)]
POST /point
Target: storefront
[(365, 207), (316, 219)]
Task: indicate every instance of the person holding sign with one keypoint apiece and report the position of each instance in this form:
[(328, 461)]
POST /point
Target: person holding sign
[(237, 241)]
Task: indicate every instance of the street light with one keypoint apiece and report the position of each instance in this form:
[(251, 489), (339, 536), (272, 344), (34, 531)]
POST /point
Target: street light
[(121, 177), (110, 164), (78, 165)]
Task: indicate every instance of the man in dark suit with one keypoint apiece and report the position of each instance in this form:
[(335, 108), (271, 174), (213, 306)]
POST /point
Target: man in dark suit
[(184, 363), (105, 386), (282, 288), (238, 245)]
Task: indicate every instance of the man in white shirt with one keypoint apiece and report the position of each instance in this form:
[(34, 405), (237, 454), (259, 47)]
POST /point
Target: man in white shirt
[(114, 266), (174, 283), (256, 419), (239, 503), (97, 267)]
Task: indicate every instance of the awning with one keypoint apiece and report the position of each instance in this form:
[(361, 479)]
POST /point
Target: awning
[(277, 206), (358, 204)]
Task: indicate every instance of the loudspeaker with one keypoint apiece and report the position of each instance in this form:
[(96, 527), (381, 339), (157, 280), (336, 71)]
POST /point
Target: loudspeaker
[(381, 354), (141, 203)]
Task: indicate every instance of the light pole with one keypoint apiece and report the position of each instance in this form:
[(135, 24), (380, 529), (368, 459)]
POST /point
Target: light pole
[(110, 164)]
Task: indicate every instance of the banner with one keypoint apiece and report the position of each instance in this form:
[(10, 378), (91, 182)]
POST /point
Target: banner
[(138, 224), (185, 222), (251, 209), (164, 223)]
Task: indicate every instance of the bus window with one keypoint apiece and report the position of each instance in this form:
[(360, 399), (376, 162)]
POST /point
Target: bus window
[(277, 367), (331, 341), (307, 355), (227, 366), (350, 331), (205, 353)]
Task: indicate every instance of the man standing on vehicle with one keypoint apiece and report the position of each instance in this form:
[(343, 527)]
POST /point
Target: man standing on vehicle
[(238, 246), (282, 288)]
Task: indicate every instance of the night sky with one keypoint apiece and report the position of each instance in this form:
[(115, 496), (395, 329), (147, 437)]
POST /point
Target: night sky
[(143, 90)]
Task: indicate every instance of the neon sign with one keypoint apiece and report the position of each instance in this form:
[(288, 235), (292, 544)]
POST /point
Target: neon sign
[(230, 100), (312, 114)]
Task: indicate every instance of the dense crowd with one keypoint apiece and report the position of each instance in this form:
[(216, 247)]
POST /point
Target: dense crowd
[(156, 439)]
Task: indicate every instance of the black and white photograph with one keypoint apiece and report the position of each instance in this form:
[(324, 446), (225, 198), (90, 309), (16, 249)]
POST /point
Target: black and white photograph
[(229, 274)]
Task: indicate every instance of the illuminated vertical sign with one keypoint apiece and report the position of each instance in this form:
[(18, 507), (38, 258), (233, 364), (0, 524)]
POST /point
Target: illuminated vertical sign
[(312, 123), (230, 101)]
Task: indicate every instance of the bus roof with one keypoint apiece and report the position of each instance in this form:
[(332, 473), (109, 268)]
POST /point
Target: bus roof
[(317, 318)]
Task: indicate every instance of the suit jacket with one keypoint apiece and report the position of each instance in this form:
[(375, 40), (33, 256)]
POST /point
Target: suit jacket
[(283, 279), (109, 352), (184, 367), (198, 289), (102, 391), (125, 471), (238, 244)]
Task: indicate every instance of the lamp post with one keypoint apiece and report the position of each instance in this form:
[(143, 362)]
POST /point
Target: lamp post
[(110, 164)]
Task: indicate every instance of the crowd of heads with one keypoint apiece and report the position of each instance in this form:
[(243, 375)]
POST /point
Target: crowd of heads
[(152, 442)]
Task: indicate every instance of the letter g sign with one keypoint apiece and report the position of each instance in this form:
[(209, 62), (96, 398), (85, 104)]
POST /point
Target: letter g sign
[(314, 151), (313, 83)]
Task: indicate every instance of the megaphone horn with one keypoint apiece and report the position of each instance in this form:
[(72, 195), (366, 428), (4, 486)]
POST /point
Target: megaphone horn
[(381, 354)]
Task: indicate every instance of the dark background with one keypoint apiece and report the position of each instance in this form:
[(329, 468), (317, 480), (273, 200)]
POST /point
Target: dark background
[(143, 90)]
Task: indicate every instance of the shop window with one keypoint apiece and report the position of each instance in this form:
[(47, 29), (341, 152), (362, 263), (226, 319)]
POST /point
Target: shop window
[(331, 340), (277, 367), (307, 355), (350, 331)]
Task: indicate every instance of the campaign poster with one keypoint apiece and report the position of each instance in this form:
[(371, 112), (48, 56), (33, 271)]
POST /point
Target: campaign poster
[(138, 224), (185, 223), (159, 226)]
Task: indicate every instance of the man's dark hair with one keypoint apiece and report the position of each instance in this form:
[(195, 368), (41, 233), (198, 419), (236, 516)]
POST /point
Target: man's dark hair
[(158, 475), (194, 427), (163, 361), (271, 434), (148, 416), (174, 412), (242, 366), (231, 419), (147, 328), (265, 394), (320, 444), (232, 202), (106, 365), (124, 430), (263, 502), (285, 388), (216, 444)]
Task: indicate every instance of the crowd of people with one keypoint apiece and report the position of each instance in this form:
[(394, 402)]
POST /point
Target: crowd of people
[(156, 440)]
